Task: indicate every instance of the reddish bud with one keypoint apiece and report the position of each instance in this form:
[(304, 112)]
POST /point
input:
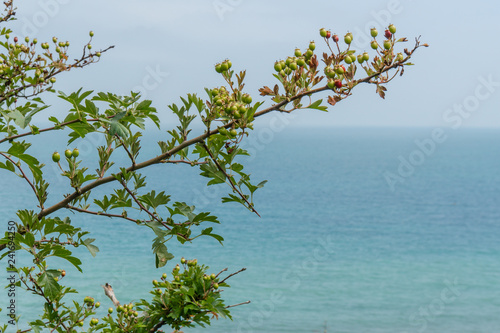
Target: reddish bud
[(335, 38), (328, 34), (338, 84), (16, 39), (388, 34)]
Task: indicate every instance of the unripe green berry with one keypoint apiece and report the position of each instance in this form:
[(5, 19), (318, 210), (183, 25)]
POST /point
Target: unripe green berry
[(392, 28), (348, 60), (277, 66), (322, 32), (297, 53), (366, 56), (110, 310), (97, 305), (373, 32), (246, 98), (339, 70), (89, 46), (347, 39), (68, 153), (233, 132), (301, 62), (331, 83), (387, 45), (56, 157), (91, 33), (312, 46), (360, 58), (54, 39), (374, 45)]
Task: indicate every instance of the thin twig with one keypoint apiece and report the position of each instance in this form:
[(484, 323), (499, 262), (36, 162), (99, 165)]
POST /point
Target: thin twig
[(242, 303), (101, 214), (126, 149), (24, 176), (232, 274), (141, 206), (184, 161), (229, 178)]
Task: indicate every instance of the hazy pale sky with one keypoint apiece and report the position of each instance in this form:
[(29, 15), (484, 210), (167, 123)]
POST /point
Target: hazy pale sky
[(168, 48)]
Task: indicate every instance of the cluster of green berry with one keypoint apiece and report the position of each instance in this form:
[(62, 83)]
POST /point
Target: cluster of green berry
[(229, 107), (210, 281), (126, 311), (388, 43), (56, 157), (223, 66), (91, 304), (298, 61)]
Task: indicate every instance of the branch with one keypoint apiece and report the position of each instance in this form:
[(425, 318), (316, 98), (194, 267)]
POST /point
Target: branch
[(184, 161), (79, 63), (142, 206), (108, 291), (100, 214), (199, 139), (9, 11), (229, 178), (56, 127), (232, 274), (126, 149), (24, 176), (232, 306)]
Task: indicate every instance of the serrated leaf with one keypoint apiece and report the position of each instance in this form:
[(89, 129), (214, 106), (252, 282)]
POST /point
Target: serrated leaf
[(92, 248), (317, 106), (49, 284), (162, 255)]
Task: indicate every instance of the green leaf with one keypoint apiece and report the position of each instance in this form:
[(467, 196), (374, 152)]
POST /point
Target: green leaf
[(29, 239), (317, 106), (162, 255), (50, 286), (92, 248), (8, 165)]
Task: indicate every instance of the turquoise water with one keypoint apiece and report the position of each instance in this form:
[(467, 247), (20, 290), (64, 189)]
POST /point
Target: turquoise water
[(337, 247)]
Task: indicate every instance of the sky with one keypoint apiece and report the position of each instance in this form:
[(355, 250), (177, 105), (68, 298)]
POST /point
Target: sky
[(166, 49)]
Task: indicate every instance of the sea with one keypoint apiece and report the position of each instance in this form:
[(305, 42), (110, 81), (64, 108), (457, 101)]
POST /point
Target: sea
[(361, 230)]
